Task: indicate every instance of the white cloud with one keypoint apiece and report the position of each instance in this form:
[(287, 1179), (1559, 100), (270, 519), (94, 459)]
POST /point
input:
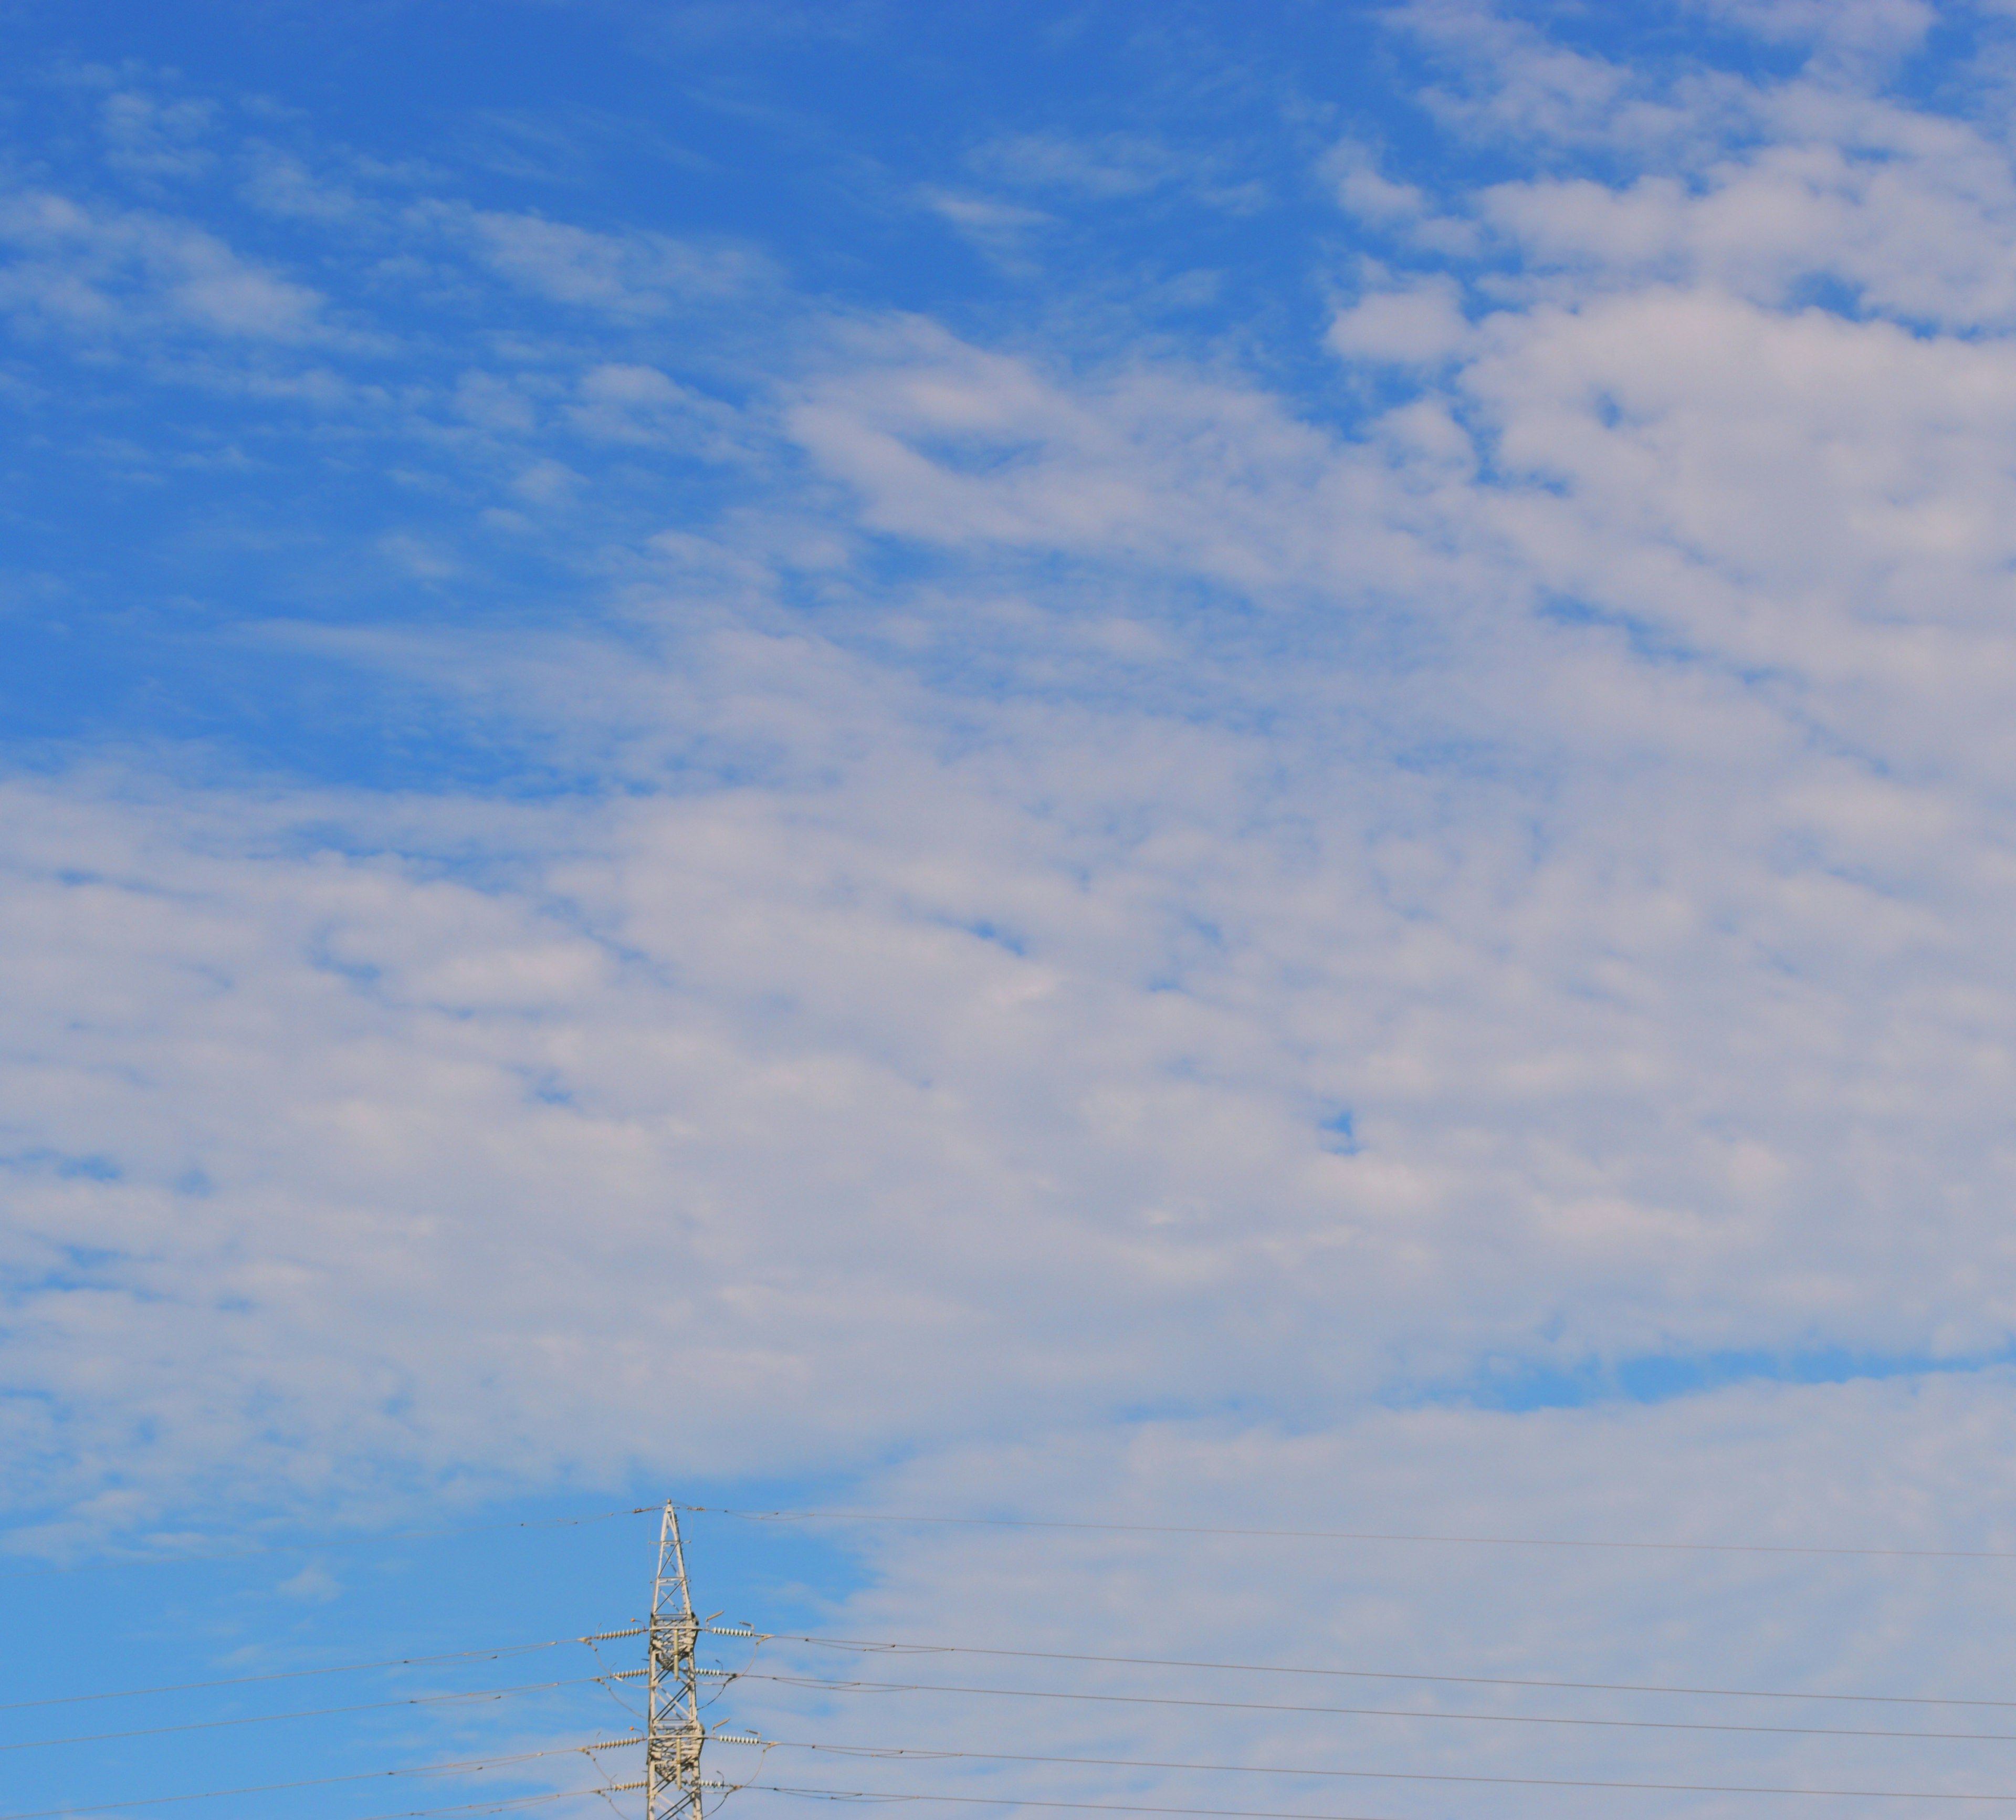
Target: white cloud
[(1365, 192), (622, 402), (493, 403), (547, 482), (952, 444), (1506, 79), (1203, 910), (1870, 1463), (1914, 216), (416, 556), (1001, 230), (1418, 322), (1053, 1025), (1113, 164), (637, 274), (99, 273), (1859, 28), (148, 137), (1116, 168), (279, 184)]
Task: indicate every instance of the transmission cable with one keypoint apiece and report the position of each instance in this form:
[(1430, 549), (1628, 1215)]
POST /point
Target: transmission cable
[(891, 1752), (878, 1516), (1024, 1693), (865, 1646), (469, 1766), (1025, 1801), (480, 1693), (495, 1804), (492, 1655), (313, 1547)]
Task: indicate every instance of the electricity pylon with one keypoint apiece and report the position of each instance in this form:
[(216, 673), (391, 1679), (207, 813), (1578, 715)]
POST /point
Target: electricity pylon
[(674, 1732)]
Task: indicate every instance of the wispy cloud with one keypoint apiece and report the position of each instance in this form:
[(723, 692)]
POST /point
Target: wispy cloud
[(631, 275), (1115, 164), (985, 809), (99, 273), (149, 138)]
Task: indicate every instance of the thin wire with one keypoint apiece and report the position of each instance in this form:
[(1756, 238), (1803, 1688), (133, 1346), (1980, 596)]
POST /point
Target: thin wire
[(890, 1753), (613, 1676), (1025, 1523), (865, 1645), (497, 1805), (480, 1693), (877, 1516), (469, 1766), (1019, 1801), (183, 1687), (314, 1548), (1369, 1712)]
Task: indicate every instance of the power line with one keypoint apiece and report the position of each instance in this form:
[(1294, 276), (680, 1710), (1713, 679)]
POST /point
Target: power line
[(311, 1547), (679, 1771), (492, 1655), (502, 1652), (504, 1805), (890, 1753), (495, 1805), (1362, 1712), (469, 1766), (1020, 1801), (866, 1644), (317, 1547), (876, 1516), (830, 1685), (481, 1693)]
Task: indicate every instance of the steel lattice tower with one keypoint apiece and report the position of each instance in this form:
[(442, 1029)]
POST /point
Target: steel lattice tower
[(674, 1732)]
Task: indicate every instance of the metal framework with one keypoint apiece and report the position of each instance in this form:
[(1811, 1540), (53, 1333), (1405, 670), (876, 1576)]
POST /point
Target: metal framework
[(674, 1729)]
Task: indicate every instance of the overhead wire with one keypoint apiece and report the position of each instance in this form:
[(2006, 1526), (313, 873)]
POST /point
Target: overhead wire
[(893, 1752), (874, 1645), (1019, 1801), (503, 1804), (868, 1645), (494, 1804), (495, 1654), (877, 1516), (1365, 1712), (494, 1693), (314, 1546), (468, 1766), (888, 1646)]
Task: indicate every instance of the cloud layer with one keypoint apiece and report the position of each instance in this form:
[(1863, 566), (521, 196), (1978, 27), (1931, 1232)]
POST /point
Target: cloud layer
[(1057, 919)]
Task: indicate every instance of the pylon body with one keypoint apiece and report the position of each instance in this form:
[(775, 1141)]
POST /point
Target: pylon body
[(674, 1732)]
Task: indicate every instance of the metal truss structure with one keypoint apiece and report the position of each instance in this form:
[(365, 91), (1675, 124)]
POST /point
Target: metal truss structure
[(674, 1729)]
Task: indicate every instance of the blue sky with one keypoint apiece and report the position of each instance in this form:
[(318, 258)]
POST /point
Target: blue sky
[(1168, 764)]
